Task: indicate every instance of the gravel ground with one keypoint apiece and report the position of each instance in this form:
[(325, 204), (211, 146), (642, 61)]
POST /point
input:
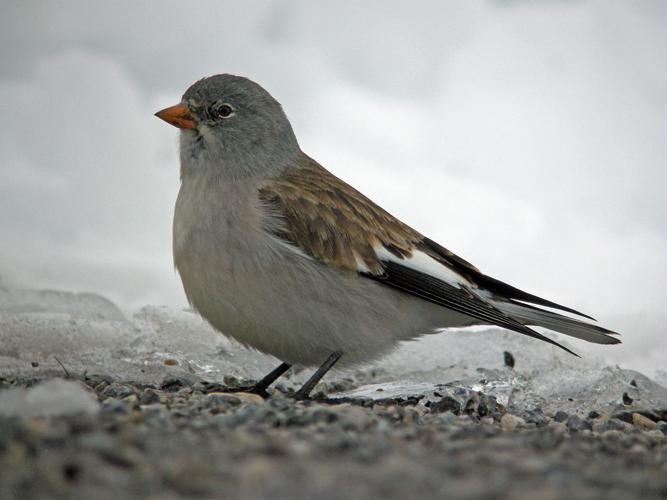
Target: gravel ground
[(187, 439)]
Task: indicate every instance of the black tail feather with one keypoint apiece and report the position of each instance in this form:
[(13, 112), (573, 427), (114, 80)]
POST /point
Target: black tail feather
[(497, 287)]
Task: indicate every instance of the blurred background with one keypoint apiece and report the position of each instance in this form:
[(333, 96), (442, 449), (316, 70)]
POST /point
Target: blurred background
[(526, 136)]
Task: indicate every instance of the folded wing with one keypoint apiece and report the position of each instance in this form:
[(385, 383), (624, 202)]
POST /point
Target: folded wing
[(332, 222)]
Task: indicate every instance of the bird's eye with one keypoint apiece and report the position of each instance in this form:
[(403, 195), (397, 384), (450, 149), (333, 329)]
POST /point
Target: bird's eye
[(221, 111)]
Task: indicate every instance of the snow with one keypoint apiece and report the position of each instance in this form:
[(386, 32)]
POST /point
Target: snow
[(86, 333)]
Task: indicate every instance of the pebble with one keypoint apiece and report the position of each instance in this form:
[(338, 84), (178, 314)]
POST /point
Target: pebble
[(149, 396), (608, 424), (116, 390), (52, 398), (117, 406), (615, 436), (508, 359), (560, 416), (356, 418), (94, 379), (222, 399), (446, 403), (662, 426), (173, 384), (537, 417), (655, 435), (577, 424), (509, 422), (180, 441), (153, 410), (132, 400), (249, 398), (643, 422), (558, 428), (446, 418), (232, 399)]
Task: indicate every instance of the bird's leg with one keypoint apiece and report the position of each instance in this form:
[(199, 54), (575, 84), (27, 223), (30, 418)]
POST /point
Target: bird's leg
[(260, 387), (317, 376)]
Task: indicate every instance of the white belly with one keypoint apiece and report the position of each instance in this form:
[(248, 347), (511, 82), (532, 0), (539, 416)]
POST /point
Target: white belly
[(266, 295)]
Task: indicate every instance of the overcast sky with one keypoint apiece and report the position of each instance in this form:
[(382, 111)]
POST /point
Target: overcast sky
[(529, 137)]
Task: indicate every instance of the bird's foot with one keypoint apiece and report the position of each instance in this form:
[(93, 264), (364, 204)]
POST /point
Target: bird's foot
[(300, 396), (303, 393)]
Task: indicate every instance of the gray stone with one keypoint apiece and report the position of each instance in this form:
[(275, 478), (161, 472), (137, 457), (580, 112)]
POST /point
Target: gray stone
[(536, 417), (577, 424), (222, 399), (561, 416), (117, 406), (662, 426), (117, 390), (447, 403), (611, 424), (149, 396)]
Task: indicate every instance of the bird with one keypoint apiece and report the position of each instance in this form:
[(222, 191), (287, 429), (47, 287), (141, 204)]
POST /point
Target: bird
[(278, 253)]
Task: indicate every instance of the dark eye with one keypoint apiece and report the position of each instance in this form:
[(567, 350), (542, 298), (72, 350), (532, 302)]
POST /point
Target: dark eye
[(221, 111)]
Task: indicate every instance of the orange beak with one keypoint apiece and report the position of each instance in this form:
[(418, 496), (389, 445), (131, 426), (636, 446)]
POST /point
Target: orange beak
[(178, 116)]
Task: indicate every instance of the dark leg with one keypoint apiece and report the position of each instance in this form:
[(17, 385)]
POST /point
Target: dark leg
[(317, 376), (260, 387)]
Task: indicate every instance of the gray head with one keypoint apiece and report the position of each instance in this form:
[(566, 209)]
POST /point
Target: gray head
[(231, 127)]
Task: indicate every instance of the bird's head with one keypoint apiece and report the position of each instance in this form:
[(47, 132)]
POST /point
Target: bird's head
[(232, 127)]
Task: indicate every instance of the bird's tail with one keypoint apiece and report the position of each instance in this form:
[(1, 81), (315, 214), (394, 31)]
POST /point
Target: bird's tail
[(534, 316)]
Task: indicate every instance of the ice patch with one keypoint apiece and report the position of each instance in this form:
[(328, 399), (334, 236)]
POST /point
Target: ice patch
[(88, 334)]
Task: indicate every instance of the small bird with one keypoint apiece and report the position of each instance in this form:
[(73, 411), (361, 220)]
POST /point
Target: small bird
[(283, 256)]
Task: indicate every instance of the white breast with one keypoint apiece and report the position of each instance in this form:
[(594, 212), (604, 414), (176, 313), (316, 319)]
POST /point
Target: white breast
[(264, 293)]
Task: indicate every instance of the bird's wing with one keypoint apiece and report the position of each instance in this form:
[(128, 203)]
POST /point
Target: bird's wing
[(337, 225)]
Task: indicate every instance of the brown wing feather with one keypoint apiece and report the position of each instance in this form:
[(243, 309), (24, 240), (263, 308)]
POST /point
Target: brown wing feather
[(333, 222), (330, 220), (336, 224)]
